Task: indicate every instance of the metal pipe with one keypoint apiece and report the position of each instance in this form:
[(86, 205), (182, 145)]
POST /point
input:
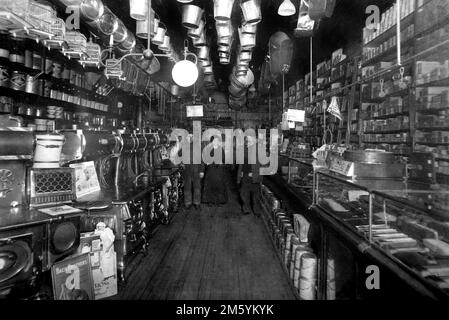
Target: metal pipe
[(398, 30)]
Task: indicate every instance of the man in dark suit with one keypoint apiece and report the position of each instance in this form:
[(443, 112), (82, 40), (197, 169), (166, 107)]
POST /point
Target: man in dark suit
[(193, 173)]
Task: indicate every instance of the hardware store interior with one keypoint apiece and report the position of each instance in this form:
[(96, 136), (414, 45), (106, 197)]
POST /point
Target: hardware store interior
[(224, 149)]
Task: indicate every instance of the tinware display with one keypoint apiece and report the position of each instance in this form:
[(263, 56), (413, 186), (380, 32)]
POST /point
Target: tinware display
[(251, 11), (191, 16)]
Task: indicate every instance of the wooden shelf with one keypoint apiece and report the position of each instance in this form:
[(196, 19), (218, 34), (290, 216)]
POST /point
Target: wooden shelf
[(40, 100), (386, 142), (433, 129), (387, 131)]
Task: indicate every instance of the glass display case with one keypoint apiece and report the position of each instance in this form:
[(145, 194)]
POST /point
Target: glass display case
[(401, 227), (299, 174)]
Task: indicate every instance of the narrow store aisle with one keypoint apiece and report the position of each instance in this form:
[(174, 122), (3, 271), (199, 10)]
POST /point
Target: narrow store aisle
[(215, 253)]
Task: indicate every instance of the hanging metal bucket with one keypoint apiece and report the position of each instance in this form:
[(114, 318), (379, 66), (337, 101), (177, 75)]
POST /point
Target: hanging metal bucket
[(247, 41), (203, 53), (208, 70), (196, 33), (251, 11), (225, 60), (142, 26), (246, 56), (69, 3), (206, 63), (159, 37), (191, 16), (242, 63), (91, 10), (226, 41), (138, 9), (166, 44), (223, 55), (209, 78), (225, 49), (223, 9), (249, 28), (200, 42), (224, 30)]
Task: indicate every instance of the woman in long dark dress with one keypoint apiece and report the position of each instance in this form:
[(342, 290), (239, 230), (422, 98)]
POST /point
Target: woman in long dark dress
[(215, 192)]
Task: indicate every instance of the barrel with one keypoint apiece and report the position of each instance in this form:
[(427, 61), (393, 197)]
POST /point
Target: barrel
[(48, 149)]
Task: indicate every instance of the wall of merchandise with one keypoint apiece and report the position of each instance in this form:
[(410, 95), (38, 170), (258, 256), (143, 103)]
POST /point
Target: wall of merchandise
[(398, 108)]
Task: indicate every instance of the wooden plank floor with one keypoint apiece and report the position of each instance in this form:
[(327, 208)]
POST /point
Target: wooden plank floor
[(212, 254)]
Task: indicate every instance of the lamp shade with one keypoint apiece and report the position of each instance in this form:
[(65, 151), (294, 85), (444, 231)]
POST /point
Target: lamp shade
[(287, 8), (138, 9), (185, 73)]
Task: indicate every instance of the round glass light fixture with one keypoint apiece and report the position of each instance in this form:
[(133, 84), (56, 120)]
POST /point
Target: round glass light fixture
[(287, 8), (185, 1), (185, 72)]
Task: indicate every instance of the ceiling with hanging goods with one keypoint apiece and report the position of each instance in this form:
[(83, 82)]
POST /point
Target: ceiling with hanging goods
[(233, 46)]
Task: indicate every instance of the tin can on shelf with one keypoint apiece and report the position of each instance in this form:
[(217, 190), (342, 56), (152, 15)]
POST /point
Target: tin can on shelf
[(37, 61), (31, 84), (18, 80), (28, 58)]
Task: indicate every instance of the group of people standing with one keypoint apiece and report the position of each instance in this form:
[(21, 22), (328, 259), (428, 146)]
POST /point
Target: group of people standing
[(209, 183)]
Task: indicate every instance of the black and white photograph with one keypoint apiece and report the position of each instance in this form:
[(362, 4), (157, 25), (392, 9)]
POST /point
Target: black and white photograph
[(224, 158)]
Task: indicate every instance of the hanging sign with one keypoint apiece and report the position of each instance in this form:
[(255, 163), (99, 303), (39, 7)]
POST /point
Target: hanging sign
[(295, 115)]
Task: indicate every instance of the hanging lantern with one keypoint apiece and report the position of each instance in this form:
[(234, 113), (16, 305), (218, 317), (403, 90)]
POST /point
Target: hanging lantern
[(57, 28), (203, 53), (92, 57), (223, 9), (251, 11), (113, 69), (76, 43), (191, 16), (138, 9), (196, 33), (185, 72)]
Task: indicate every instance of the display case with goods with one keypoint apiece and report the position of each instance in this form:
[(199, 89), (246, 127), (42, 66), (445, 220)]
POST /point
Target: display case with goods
[(402, 226)]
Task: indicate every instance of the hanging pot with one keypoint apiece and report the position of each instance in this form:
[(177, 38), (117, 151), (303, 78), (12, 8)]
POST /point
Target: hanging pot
[(208, 70), (159, 37), (225, 49), (203, 53), (247, 41), (226, 41), (196, 33), (225, 60), (206, 63), (200, 42), (224, 30), (251, 11), (245, 56), (92, 10), (166, 44), (142, 26), (191, 16), (138, 9), (249, 28), (107, 24), (223, 9)]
